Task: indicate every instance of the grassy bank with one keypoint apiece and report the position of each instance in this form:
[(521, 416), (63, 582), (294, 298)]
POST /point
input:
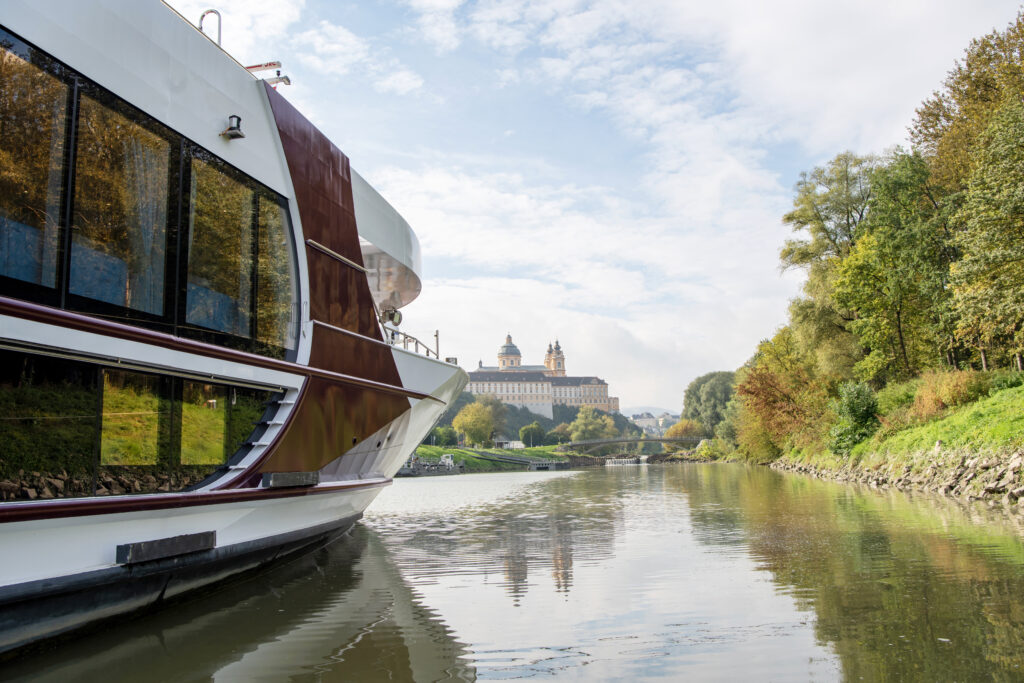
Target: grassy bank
[(971, 451), (473, 463)]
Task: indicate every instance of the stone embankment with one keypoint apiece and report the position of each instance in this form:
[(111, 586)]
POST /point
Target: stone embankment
[(996, 478)]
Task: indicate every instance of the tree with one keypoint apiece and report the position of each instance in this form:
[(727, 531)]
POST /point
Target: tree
[(988, 281), (475, 422), (895, 278), (705, 398), (443, 436), (684, 428), (590, 425), (498, 411), (829, 208), (532, 434), (950, 123), (460, 402), (560, 434)]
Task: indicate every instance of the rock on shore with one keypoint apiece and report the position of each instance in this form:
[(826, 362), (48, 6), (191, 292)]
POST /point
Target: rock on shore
[(996, 477)]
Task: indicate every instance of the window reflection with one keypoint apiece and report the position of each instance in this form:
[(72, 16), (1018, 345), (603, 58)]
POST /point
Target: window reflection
[(120, 219), (125, 247), (32, 127), (203, 424), (133, 439), (220, 252), (47, 427), (276, 298)]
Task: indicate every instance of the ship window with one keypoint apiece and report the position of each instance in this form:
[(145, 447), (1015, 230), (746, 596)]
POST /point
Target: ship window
[(276, 298), (33, 117), (134, 434), (144, 226), (73, 429), (48, 417), (119, 232), (220, 251)]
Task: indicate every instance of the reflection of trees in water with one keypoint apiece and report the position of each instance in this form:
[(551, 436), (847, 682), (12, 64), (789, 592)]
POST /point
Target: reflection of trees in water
[(902, 589), (340, 613), (552, 525)]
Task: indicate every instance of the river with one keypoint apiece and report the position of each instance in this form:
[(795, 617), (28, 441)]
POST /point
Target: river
[(696, 572)]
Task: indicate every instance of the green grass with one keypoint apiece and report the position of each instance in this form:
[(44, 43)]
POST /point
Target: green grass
[(475, 464), (990, 424)]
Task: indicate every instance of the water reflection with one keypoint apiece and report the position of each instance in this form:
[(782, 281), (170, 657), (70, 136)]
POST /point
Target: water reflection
[(339, 613), (704, 572)]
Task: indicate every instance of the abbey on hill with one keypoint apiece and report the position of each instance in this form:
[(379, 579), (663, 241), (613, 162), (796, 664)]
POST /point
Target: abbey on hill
[(539, 387)]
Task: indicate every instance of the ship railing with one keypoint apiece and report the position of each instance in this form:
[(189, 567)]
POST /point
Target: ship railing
[(408, 342)]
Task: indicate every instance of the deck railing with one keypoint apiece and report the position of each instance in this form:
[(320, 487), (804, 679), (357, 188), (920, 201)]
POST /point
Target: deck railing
[(396, 337)]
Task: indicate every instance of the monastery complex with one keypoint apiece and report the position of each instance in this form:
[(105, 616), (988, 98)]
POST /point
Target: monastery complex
[(539, 387)]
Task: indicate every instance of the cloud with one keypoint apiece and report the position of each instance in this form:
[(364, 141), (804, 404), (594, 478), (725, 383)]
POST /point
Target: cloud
[(401, 82), (437, 23), (331, 49)]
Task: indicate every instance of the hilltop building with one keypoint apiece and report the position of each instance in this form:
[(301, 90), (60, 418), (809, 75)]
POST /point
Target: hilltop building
[(539, 387)]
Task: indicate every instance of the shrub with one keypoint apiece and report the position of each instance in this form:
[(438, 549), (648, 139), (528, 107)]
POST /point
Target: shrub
[(896, 396), (1005, 379), (942, 390), (856, 410)]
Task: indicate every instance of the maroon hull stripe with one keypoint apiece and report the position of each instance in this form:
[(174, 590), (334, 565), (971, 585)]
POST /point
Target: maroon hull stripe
[(79, 507)]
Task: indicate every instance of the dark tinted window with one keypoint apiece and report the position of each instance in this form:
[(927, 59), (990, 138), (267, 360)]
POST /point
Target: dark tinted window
[(220, 262), (217, 264), (33, 123), (71, 429), (119, 232), (277, 304)]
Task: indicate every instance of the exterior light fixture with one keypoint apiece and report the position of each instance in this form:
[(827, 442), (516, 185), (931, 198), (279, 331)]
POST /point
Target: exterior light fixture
[(234, 129)]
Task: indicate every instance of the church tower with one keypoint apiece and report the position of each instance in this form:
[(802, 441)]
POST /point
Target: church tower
[(554, 360), (509, 357)]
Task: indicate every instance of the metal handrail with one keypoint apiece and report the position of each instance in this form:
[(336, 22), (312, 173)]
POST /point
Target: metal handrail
[(396, 337)]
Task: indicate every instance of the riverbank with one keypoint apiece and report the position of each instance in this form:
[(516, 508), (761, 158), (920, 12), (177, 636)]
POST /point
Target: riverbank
[(972, 453), (475, 460)]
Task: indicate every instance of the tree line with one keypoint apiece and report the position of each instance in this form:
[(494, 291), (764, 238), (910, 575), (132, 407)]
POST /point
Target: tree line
[(480, 420), (914, 263)]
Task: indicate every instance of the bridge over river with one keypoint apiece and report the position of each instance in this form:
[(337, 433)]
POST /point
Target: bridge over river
[(592, 444)]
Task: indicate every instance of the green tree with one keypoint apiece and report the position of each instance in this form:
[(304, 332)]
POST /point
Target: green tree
[(829, 207), (988, 280), (705, 398), (590, 425), (460, 402), (560, 434), (532, 434), (857, 411), (444, 436), (498, 413), (948, 125), (475, 422)]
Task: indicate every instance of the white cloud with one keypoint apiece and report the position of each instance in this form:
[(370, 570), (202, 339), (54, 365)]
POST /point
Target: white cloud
[(401, 82), (331, 49), (437, 23)]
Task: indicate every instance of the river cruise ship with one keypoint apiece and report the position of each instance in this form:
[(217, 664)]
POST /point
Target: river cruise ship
[(200, 370)]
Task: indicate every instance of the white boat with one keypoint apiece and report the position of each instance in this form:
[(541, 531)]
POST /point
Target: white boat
[(194, 374)]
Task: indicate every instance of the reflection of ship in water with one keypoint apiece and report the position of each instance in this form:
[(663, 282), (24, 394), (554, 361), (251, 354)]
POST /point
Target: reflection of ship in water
[(342, 613)]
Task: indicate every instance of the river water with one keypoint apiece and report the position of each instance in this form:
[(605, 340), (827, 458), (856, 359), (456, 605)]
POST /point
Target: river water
[(676, 572)]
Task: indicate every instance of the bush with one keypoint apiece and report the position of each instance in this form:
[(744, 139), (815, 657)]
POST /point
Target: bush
[(1005, 379), (941, 390), (896, 396), (857, 412)]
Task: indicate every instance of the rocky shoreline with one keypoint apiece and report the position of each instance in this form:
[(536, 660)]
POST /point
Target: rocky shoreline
[(993, 478)]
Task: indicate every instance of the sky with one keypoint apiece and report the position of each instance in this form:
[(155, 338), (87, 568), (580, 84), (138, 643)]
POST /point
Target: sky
[(608, 173)]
